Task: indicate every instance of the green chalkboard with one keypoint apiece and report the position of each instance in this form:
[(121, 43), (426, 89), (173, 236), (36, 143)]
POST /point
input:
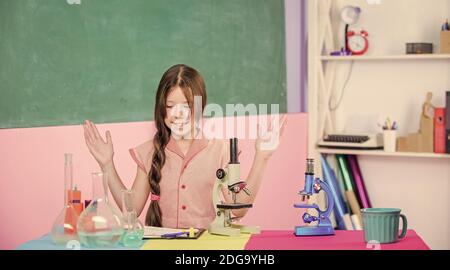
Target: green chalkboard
[(103, 59)]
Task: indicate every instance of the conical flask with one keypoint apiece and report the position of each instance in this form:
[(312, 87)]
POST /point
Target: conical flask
[(65, 226), (100, 225)]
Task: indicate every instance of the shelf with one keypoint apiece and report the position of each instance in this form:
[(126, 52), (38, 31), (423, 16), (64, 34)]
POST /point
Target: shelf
[(387, 57), (381, 153)]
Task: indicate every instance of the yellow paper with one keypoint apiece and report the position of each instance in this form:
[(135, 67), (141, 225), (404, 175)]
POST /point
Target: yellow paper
[(206, 241)]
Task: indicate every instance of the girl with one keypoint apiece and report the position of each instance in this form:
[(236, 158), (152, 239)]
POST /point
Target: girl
[(177, 168)]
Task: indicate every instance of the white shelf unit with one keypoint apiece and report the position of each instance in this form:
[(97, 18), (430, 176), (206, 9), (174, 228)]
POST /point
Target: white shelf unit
[(404, 180), (322, 76)]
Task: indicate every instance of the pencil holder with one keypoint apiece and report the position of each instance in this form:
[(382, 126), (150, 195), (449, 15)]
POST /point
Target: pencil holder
[(390, 139), (445, 42)]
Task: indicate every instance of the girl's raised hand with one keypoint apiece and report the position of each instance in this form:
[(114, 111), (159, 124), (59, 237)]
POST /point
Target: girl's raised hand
[(269, 138), (100, 149)]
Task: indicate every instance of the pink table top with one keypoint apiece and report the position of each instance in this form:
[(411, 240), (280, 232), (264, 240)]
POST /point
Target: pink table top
[(342, 240)]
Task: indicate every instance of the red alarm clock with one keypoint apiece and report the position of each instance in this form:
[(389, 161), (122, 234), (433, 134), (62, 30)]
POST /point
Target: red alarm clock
[(357, 43)]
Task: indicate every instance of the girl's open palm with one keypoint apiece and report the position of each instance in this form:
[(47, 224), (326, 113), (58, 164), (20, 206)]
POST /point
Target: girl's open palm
[(269, 138), (100, 149)]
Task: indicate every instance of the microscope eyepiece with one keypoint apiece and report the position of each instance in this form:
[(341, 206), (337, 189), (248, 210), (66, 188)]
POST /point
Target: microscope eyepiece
[(310, 166), (234, 151)]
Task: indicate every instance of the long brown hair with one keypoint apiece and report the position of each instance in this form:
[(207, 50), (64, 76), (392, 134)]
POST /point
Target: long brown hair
[(192, 84)]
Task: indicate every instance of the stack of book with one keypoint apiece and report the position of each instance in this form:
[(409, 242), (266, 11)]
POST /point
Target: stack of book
[(343, 174)]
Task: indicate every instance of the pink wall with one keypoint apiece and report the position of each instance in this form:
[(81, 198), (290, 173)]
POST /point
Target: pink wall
[(32, 170)]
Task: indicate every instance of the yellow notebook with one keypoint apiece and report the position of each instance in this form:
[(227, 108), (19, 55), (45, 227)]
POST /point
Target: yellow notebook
[(206, 241)]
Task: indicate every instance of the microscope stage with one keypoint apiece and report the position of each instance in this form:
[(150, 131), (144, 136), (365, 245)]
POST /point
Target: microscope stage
[(234, 206)]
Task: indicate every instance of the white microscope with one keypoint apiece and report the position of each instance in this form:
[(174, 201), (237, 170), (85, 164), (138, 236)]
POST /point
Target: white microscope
[(229, 177)]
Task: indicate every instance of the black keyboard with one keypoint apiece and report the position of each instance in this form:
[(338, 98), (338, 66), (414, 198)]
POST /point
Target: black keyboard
[(346, 138)]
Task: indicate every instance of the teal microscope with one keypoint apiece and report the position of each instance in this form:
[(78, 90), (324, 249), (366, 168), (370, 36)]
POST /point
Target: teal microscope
[(314, 186)]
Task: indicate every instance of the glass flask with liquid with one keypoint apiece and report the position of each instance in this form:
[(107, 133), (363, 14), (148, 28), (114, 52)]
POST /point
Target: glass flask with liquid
[(100, 225), (134, 230), (64, 228)]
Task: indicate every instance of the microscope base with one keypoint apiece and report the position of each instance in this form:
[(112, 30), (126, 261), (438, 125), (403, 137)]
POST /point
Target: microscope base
[(222, 225), (247, 229), (313, 230), (235, 230), (221, 230)]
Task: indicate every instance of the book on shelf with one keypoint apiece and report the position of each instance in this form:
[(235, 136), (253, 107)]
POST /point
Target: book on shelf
[(353, 195), (357, 223), (339, 209), (360, 188), (447, 123), (348, 222), (333, 164), (439, 130), (345, 173), (356, 209)]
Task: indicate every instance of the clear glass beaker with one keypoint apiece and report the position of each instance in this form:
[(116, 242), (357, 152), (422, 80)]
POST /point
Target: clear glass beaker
[(64, 228), (100, 225), (134, 230)]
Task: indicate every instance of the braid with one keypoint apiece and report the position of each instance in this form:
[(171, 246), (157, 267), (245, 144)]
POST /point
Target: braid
[(154, 215)]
